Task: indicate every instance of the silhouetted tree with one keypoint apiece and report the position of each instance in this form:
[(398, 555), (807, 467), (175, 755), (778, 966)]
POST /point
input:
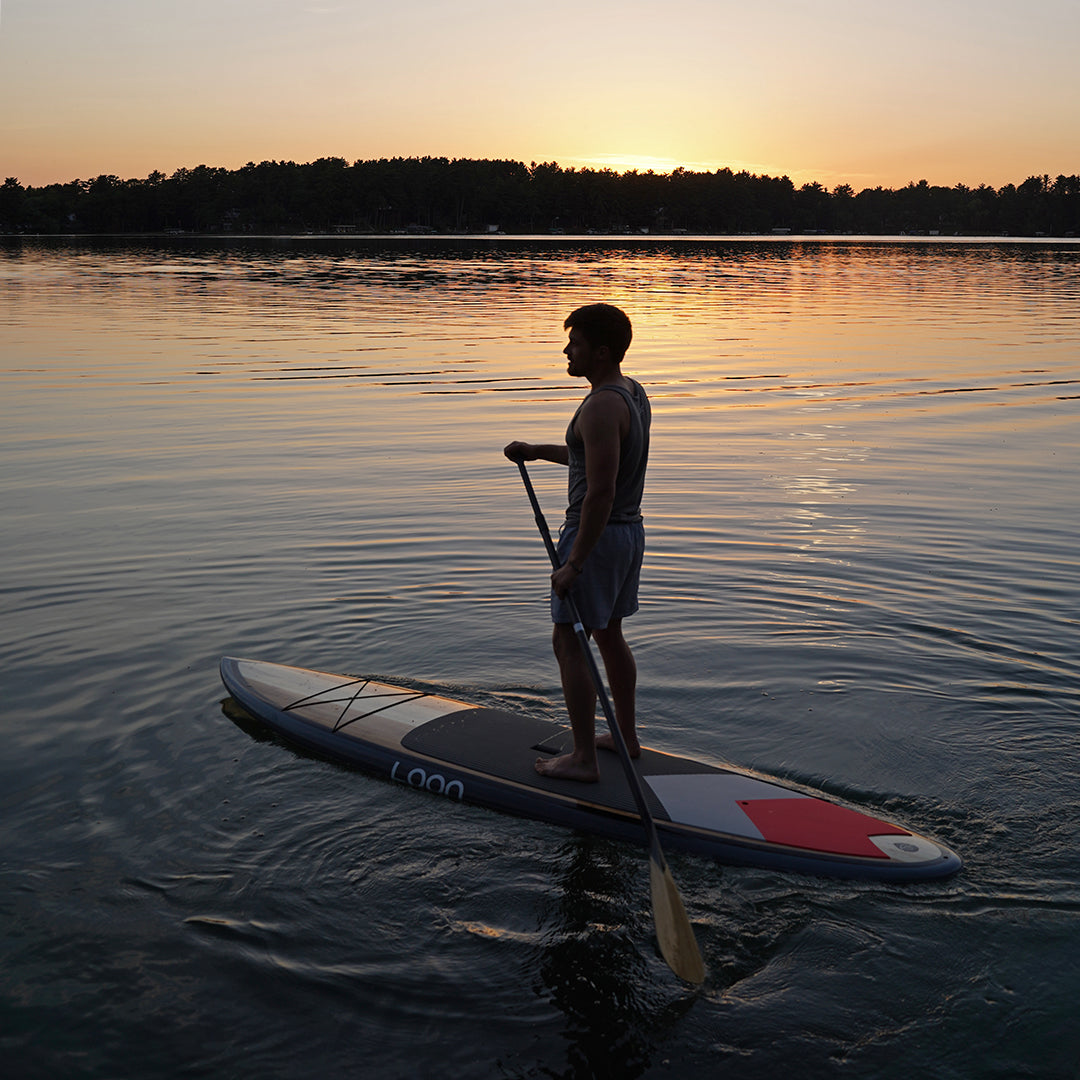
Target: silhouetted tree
[(12, 205)]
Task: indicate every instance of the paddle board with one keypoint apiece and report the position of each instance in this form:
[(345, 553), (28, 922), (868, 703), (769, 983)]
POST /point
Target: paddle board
[(486, 756)]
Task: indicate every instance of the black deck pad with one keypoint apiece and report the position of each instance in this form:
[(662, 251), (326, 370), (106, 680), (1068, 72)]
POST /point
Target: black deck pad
[(506, 745)]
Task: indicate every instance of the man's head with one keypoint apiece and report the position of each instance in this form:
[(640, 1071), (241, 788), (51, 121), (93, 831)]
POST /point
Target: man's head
[(602, 324)]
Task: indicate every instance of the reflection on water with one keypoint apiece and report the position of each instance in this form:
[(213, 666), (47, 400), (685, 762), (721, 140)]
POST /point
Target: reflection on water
[(860, 575)]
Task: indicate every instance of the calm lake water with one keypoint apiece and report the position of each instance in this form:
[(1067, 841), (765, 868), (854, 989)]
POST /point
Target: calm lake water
[(862, 515)]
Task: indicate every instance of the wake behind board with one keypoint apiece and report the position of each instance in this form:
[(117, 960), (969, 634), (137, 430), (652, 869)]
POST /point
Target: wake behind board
[(486, 756)]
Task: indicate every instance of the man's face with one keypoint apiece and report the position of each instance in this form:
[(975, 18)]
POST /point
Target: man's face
[(581, 356)]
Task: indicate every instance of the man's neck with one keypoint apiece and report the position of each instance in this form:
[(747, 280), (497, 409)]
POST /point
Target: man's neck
[(609, 377)]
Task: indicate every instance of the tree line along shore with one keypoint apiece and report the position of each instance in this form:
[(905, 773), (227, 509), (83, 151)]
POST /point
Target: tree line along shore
[(441, 195)]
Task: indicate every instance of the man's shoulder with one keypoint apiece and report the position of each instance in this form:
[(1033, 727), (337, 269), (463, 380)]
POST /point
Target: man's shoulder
[(600, 404)]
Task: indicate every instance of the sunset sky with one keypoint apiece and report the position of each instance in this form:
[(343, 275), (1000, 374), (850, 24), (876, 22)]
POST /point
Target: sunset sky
[(838, 91)]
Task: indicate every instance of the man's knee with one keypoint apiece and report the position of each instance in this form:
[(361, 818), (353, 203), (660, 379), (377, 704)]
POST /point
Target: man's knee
[(611, 635)]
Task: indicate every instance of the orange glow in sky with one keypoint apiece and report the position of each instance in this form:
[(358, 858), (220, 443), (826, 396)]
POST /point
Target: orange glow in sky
[(837, 91)]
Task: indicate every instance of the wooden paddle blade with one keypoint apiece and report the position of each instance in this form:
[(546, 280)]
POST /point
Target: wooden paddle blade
[(677, 942)]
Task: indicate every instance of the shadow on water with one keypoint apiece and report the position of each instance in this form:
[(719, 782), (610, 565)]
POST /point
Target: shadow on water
[(248, 724), (616, 1003)]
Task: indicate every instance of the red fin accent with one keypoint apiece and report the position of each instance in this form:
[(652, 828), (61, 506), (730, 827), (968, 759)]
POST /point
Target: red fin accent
[(817, 825)]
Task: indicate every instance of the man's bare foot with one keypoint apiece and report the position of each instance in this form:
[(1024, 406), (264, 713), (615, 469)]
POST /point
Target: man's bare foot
[(606, 741), (568, 767)]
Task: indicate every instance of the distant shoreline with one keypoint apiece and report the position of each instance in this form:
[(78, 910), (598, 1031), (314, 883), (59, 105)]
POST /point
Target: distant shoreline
[(437, 196)]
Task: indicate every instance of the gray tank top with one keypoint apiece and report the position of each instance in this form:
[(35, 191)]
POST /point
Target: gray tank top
[(633, 458)]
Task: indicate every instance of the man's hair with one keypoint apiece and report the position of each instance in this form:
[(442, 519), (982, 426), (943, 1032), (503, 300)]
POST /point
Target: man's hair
[(602, 324)]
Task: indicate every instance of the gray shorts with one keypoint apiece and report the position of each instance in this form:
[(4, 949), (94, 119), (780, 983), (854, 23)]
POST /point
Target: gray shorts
[(608, 587)]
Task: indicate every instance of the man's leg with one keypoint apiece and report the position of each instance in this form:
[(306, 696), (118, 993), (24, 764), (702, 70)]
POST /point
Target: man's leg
[(580, 695), (621, 669)]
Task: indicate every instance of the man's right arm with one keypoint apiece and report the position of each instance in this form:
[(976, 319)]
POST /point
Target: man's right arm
[(557, 453)]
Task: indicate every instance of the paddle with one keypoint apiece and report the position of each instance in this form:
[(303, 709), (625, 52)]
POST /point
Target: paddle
[(677, 943)]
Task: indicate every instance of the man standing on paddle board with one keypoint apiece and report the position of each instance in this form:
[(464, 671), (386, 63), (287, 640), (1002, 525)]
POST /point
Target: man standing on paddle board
[(602, 540)]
